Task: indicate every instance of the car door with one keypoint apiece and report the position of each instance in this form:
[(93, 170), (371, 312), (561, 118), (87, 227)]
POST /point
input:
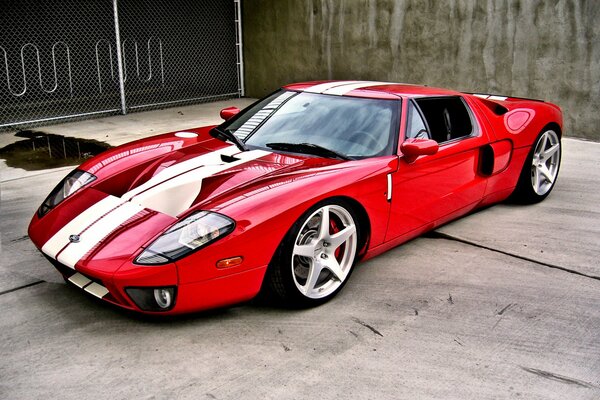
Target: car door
[(433, 189)]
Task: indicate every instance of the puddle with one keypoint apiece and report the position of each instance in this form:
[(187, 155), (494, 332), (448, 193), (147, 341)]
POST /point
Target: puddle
[(43, 150)]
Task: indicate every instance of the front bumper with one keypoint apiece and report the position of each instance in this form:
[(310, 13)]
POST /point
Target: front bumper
[(197, 296)]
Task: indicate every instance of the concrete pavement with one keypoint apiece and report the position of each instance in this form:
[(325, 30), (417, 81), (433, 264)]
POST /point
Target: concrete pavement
[(500, 308)]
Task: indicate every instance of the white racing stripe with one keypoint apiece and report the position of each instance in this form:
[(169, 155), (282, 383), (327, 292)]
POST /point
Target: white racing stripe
[(490, 96), (322, 87), (347, 88), (171, 191), (174, 196), (80, 280), (340, 88), (78, 224), (96, 232), (213, 158), (97, 290)]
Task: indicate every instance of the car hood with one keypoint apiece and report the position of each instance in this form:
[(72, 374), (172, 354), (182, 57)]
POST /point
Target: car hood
[(97, 224), (177, 183)]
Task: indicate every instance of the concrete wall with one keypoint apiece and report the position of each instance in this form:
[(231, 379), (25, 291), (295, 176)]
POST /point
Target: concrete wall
[(532, 48)]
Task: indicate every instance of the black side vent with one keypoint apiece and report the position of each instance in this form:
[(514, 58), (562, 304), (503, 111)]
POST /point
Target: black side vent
[(494, 107), (500, 110), (486, 160)]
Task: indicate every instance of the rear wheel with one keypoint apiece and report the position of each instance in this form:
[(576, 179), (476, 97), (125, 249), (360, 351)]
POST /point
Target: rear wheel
[(316, 258), (540, 171)]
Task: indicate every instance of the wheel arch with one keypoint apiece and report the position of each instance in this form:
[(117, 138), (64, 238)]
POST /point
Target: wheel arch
[(553, 126), (364, 223)]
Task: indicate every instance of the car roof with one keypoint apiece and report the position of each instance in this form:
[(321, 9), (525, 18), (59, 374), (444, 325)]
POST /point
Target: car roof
[(371, 89)]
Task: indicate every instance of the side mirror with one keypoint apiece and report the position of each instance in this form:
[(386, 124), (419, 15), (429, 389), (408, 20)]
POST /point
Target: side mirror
[(413, 148), (229, 112)]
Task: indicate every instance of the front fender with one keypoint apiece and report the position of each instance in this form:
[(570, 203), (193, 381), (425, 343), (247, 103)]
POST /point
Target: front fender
[(266, 211)]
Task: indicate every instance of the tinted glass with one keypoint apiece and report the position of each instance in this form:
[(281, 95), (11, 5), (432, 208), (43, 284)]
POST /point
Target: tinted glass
[(447, 117), (355, 127), (416, 127)]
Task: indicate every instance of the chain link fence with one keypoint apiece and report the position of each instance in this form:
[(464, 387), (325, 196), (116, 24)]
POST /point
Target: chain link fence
[(59, 59)]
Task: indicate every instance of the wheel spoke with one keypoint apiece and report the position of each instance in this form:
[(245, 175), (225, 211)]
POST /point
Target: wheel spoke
[(324, 227), (337, 239), (536, 179), (306, 250), (313, 276), (544, 142), (553, 149), (546, 173), (335, 268)]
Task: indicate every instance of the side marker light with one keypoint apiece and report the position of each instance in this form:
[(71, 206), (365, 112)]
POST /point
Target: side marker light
[(229, 262)]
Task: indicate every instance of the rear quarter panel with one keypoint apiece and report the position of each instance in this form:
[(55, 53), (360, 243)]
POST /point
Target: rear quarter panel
[(523, 120), (520, 125)]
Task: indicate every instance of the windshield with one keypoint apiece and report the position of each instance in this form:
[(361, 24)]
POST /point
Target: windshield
[(351, 126)]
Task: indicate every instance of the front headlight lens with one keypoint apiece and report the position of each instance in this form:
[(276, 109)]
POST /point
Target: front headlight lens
[(69, 185), (186, 236)]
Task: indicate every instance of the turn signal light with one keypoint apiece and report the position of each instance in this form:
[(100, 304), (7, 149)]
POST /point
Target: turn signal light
[(229, 262)]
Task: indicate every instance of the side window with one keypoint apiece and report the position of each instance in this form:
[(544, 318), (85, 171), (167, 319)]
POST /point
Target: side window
[(415, 126), (447, 117)]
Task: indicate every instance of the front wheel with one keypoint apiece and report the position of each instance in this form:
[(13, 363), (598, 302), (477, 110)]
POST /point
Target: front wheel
[(540, 171), (316, 258)]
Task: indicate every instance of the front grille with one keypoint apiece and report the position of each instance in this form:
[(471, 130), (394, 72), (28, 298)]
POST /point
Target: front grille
[(91, 285)]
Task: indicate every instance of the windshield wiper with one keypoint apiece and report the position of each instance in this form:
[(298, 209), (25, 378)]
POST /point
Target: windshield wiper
[(308, 148), (224, 134)]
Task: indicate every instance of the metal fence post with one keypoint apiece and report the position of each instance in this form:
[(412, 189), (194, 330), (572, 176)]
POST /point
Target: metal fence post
[(239, 47), (119, 58)]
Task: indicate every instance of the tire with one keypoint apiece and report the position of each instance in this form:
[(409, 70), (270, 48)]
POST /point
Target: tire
[(312, 264), (540, 171)]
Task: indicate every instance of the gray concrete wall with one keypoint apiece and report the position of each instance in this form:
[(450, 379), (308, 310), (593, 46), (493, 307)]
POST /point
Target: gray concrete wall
[(532, 48)]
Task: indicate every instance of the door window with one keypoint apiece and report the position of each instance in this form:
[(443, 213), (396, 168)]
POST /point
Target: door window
[(447, 118)]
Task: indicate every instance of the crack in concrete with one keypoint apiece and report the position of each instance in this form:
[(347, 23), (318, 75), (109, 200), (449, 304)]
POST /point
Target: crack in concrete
[(440, 235), (504, 309), (358, 321), (21, 287), (19, 239), (558, 378)]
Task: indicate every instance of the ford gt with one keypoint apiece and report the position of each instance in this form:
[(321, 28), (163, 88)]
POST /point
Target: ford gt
[(288, 194)]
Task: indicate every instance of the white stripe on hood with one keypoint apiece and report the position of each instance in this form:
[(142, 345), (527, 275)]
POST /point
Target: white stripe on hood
[(171, 191)]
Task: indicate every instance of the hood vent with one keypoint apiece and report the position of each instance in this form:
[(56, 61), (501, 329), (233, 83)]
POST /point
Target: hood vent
[(228, 159)]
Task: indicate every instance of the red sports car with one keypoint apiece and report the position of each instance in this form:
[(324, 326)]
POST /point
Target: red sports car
[(289, 193)]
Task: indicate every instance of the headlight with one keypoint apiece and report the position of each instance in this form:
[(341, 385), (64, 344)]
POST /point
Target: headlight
[(69, 185), (186, 236)]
